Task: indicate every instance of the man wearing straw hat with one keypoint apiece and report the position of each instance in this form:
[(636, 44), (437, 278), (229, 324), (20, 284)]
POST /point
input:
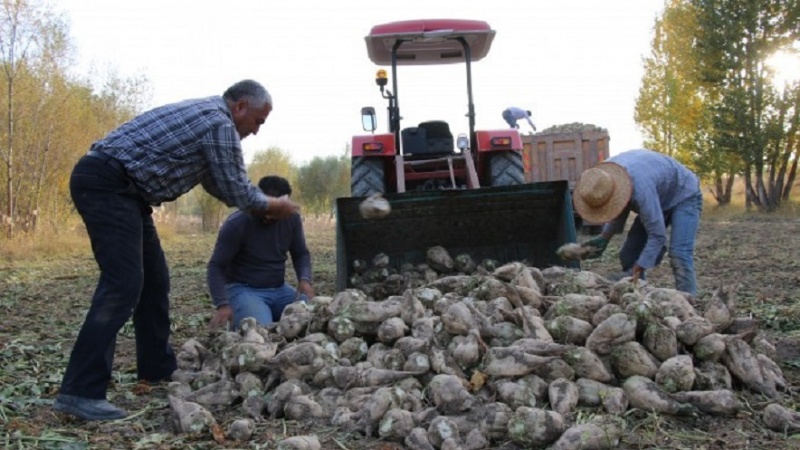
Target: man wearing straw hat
[(663, 193)]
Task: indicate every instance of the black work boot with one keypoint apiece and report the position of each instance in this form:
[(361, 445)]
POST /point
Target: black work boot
[(87, 408)]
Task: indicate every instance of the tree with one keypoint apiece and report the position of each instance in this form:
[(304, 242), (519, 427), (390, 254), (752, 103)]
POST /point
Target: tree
[(212, 211), (322, 181), (791, 153), (751, 119), (272, 161), (20, 28), (669, 108), (672, 106), (49, 117)]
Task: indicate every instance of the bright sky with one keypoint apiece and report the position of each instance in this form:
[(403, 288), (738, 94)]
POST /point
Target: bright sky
[(565, 60)]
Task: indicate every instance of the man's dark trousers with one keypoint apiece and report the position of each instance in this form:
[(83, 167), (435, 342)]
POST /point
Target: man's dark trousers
[(134, 280)]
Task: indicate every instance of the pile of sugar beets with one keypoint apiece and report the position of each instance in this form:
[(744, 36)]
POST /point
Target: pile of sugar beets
[(451, 354)]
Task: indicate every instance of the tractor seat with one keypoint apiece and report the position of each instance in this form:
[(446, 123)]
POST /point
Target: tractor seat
[(429, 139)]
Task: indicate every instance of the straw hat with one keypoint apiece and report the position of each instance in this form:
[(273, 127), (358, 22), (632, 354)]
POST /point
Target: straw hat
[(602, 192)]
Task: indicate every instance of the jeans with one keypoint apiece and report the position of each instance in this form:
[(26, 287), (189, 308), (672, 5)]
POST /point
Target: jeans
[(264, 304), (134, 281), (509, 118), (683, 221)]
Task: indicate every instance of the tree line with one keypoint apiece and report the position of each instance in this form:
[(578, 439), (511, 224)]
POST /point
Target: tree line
[(49, 117), (315, 185), (707, 97), (710, 98)]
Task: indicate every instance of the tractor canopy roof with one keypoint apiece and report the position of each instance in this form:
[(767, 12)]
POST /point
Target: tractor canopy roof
[(429, 41)]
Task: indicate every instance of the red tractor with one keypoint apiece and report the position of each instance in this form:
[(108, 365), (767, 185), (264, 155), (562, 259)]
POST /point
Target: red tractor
[(426, 156), (466, 194)]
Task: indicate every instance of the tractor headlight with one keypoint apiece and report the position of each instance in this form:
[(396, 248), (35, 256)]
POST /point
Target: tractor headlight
[(462, 142)]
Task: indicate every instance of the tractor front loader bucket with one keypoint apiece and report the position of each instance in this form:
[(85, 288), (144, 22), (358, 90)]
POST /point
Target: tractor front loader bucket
[(527, 222)]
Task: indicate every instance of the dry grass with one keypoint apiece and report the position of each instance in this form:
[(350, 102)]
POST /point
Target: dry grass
[(737, 209), (43, 246)]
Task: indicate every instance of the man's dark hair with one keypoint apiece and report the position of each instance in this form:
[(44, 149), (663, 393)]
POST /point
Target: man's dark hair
[(275, 186), (529, 112)]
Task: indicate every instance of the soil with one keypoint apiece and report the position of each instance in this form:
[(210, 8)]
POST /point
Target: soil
[(43, 302)]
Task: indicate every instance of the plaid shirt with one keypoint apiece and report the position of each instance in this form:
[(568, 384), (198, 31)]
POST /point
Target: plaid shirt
[(169, 150)]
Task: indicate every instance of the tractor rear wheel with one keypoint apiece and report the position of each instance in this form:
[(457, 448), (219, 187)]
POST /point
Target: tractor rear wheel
[(366, 176), (506, 168)]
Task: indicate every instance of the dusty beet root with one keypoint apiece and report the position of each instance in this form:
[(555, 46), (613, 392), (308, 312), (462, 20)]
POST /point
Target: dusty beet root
[(396, 424), (466, 350), (509, 271), (676, 374), (249, 384), (534, 427), (457, 319), (569, 330), (302, 407), (631, 358), (763, 346), (590, 391), (241, 429), (374, 207), (391, 329), (598, 434), (563, 395), (249, 356), (711, 376), (190, 417), (773, 375), (515, 394), (341, 328), (442, 429), (579, 306), (721, 308), (643, 393), (417, 363), (778, 418), (300, 443), (615, 330), (512, 362), (574, 252), (280, 395), (660, 340), (418, 440), (493, 419), (605, 312), (744, 366), (222, 392), (449, 394), (301, 361), (439, 259), (710, 347), (672, 302), (587, 364), (719, 403), (693, 329)]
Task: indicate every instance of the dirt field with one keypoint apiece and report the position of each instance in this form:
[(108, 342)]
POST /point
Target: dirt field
[(43, 301)]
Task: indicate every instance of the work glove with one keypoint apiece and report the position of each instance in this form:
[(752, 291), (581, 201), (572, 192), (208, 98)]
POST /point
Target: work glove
[(598, 244)]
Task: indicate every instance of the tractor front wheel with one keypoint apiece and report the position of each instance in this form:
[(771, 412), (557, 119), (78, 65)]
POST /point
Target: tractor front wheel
[(506, 168), (366, 176)]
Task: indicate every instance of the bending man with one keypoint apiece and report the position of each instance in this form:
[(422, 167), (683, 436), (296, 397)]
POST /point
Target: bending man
[(663, 193), (154, 158), (512, 114)]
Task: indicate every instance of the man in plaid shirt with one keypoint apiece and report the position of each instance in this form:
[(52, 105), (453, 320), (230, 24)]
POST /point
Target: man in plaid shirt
[(154, 158)]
